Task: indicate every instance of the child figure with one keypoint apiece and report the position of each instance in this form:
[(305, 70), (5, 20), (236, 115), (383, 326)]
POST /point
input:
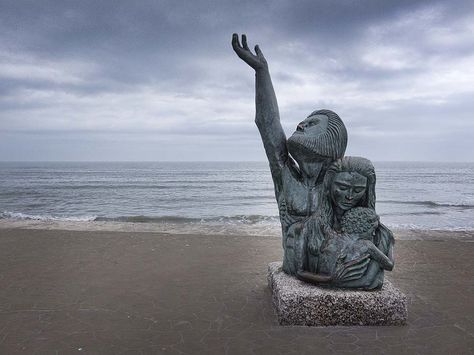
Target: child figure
[(356, 240)]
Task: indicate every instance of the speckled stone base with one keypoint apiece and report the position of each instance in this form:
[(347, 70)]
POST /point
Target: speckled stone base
[(299, 303)]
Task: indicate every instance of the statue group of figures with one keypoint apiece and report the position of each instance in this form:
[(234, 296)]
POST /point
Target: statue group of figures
[(331, 233)]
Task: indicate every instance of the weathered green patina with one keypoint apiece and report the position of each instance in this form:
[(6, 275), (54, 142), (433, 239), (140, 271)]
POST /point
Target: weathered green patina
[(315, 185)]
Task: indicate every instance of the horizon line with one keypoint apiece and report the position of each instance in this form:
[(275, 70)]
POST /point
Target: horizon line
[(208, 161)]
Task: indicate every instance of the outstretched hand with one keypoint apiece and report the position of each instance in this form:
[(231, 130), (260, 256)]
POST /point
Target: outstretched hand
[(256, 61)]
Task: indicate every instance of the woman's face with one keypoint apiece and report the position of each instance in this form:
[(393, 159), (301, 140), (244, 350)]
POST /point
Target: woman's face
[(348, 189)]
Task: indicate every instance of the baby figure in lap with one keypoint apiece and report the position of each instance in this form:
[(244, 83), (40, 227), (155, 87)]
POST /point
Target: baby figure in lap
[(358, 227)]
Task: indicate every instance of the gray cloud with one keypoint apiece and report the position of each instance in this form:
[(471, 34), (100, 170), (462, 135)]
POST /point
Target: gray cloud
[(121, 80)]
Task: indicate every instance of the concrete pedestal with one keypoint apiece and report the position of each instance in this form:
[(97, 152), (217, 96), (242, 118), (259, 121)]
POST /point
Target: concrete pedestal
[(300, 303)]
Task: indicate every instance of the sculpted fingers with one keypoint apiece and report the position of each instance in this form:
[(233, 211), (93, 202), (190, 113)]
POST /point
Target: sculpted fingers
[(361, 261), (353, 275), (235, 41), (244, 43), (353, 268), (259, 52), (344, 269), (360, 267), (356, 272), (242, 50), (255, 61)]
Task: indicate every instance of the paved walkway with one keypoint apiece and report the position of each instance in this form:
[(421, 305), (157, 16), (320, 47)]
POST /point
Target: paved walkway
[(140, 293)]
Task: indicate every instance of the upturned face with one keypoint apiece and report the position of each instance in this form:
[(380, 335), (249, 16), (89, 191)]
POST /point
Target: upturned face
[(313, 126), (307, 131), (348, 189)]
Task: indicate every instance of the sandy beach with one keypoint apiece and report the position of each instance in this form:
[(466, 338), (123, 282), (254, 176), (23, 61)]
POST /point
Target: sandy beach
[(102, 290)]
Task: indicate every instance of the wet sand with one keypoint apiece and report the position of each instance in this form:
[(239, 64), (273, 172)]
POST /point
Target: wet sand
[(96, 291)]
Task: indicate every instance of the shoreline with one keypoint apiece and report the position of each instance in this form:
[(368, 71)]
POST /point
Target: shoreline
[(208, 229)]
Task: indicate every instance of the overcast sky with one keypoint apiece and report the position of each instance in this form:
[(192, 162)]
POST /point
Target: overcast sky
[(158, 80)]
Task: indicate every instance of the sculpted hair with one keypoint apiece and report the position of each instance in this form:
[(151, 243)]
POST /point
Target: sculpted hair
[(358, 220), (330, 144), (347, 164)]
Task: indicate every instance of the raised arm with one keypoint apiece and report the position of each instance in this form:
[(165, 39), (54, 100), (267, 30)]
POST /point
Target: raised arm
[(267, 116)]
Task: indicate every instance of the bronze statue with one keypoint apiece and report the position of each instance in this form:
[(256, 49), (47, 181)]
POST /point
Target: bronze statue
[(315, 186)]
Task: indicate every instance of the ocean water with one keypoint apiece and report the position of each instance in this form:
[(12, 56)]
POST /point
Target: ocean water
[(219, 196)]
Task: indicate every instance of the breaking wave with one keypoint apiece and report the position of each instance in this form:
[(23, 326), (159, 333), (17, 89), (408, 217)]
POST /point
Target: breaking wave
[(431, 204), (239, 219), (25, 216)]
